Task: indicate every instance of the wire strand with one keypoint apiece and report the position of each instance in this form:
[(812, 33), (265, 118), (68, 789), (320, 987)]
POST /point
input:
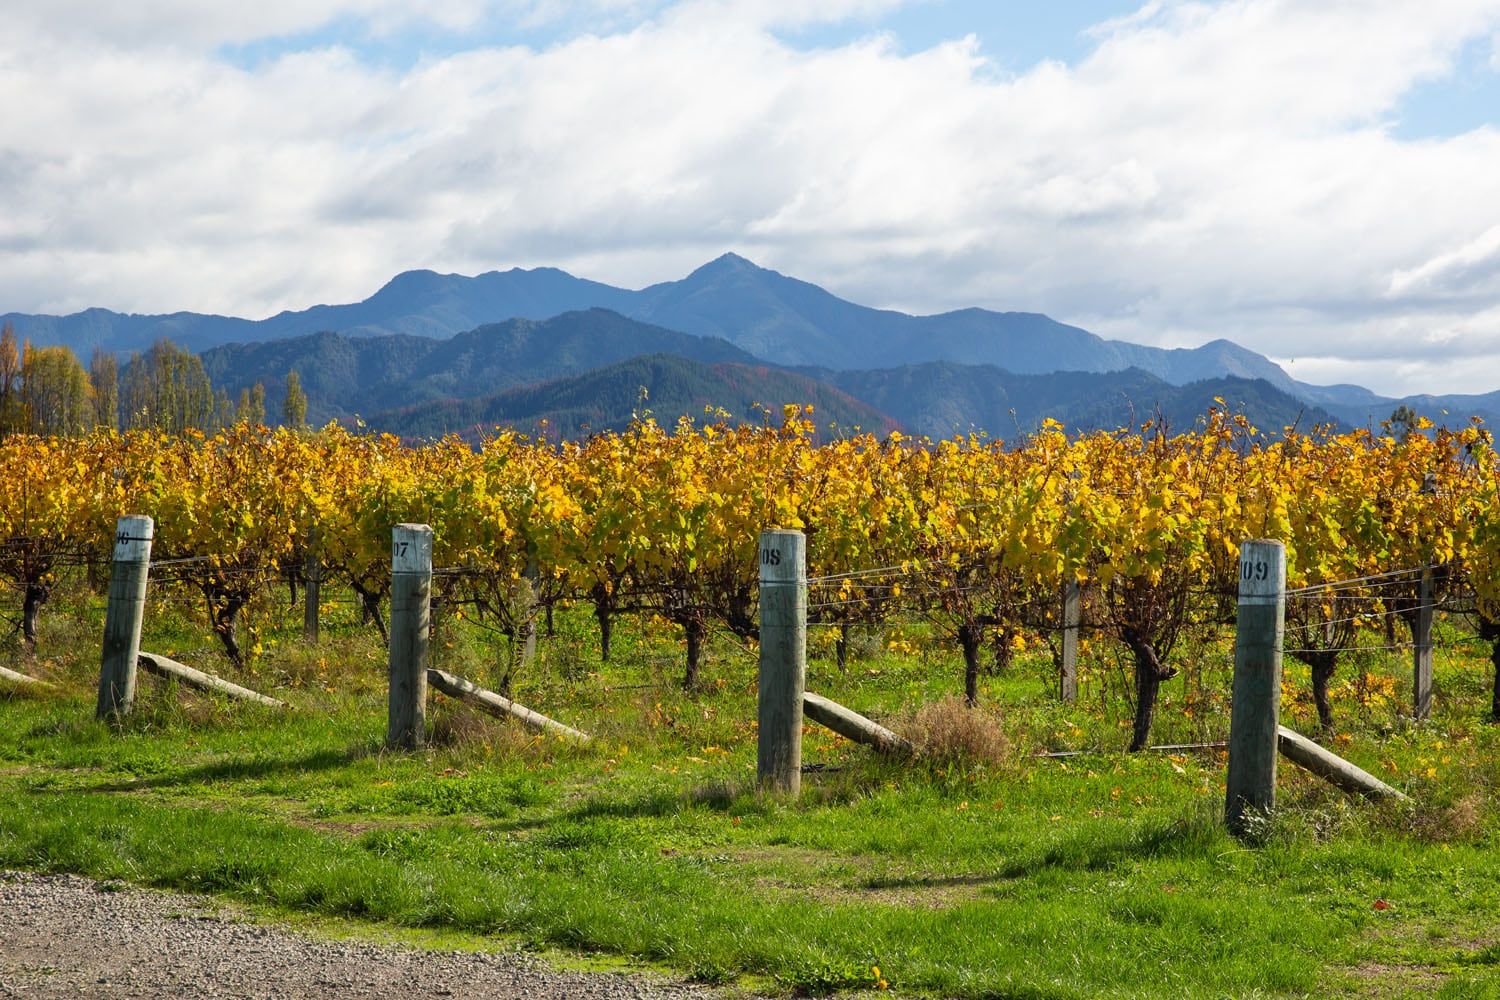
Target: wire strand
[(904, 569), (1340, 584)]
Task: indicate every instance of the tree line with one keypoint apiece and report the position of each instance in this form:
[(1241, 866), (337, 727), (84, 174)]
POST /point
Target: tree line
[(48, 391)]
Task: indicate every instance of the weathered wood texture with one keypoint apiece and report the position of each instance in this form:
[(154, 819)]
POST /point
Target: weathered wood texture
[(1256, 709), (6, 674), (1067, 673), (783, 660), (500, 706), (123, 616), (1331, 767), (851, 725), (411, 616), (161, 666)]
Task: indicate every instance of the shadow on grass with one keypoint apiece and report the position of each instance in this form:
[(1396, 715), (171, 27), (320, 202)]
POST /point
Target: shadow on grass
[(739, 798), (38, 691), (650, 805), (1090, 851), (239, 770), (924, 882)]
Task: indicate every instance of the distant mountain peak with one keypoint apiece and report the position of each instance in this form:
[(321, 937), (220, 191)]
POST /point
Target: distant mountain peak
[(728, 263), (413, 282), (415, 275), (543, 269)]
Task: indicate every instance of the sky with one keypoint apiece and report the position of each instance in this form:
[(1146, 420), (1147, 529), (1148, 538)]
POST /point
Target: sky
[(1318, 180)]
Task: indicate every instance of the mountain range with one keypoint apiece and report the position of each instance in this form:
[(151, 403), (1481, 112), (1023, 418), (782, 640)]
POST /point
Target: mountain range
[(586, 371), (609, 397), (345, 375), (426, 337)]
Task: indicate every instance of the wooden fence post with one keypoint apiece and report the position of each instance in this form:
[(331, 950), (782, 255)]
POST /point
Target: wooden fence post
[(1255, 711), (411, 596), (123, 616), (783, 659), (1067, 674), (1421, 636), (312, 580)]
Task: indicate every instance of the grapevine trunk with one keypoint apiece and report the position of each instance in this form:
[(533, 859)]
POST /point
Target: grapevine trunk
[(969, 637), (36, 596), (696, 631), (1149, 673)]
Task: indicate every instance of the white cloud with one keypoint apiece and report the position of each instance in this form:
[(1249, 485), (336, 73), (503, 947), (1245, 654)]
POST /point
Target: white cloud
[(195, 24), (192, 24), (780, 13), (1211, 170), (1473, 267)]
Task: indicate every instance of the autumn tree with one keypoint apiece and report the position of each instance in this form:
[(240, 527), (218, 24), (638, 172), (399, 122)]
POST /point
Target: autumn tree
[(1162, 517), (606, 534), (166, 389), (860, 530), (235, 505), (1482, 549), (987, 535), (56, 397), (513, 538), (57, 505), (294, 408), (251, 409), (10, 382), (104, 380), (223, 411), (367, 485)]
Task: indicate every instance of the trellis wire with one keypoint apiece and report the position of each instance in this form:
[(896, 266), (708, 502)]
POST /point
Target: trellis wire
[(1394, 590), (905, 569), (1360, 648), (1370, 616), (159, 563), (867, 584), (935, 592), (1352, 581)]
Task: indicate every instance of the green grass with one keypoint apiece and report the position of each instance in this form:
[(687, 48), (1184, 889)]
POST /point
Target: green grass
[(1099, 874)]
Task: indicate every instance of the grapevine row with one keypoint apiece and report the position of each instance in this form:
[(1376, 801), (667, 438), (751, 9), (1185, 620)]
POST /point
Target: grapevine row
[(975, 535)]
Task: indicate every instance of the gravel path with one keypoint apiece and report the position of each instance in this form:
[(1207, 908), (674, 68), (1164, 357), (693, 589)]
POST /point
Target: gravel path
[(62, 936)]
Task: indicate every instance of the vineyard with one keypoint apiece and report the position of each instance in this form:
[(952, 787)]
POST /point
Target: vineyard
[(975, 538), (613, 585)]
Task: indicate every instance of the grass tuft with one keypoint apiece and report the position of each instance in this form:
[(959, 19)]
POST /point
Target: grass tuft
[(949, 734)]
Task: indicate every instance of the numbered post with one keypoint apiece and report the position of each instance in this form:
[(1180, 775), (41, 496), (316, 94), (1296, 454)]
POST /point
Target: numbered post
[(1256, 708), (1421, 645), (411, 611), (123, 616), (1067, 673), (783, 659)]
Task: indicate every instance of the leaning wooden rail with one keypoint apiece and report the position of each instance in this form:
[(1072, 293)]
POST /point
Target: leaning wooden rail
[(1331, 767), (499, 706), (161, 666), (7, 674), (851, 725)]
